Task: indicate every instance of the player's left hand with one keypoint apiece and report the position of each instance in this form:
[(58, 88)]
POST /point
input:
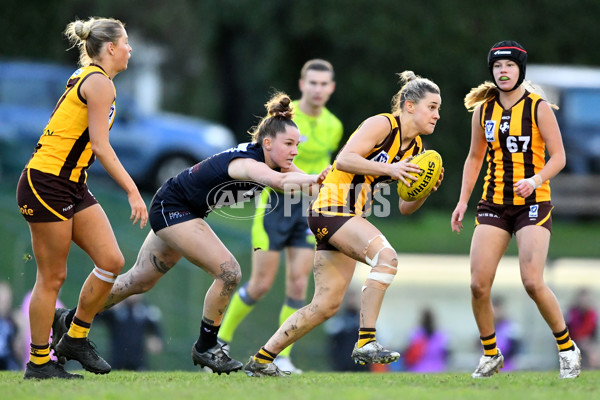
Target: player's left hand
[(524, 188), (457, 217)]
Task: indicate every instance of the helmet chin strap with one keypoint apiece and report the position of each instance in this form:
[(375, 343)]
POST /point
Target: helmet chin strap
[(519, 82), (507, 91)]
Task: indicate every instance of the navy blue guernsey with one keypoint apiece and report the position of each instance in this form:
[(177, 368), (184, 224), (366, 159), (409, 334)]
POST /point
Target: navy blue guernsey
[(207, 185)]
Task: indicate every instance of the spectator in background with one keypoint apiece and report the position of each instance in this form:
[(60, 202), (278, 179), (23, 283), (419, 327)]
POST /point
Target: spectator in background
[(428, 347), (582, 319), (341, 331), (134, 331), (8, 330), (508, 334), (24, 340)]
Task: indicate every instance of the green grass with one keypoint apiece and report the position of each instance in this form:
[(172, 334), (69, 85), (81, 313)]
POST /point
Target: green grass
[(180, 294), (313, 385)]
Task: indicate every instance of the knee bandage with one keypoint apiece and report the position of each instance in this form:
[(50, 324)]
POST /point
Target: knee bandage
[(382, 273), (384, 245), (104, 275)]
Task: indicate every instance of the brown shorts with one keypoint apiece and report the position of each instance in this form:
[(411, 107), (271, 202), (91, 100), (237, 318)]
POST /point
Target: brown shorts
[(512, 218), (324, 226), (45, 197)]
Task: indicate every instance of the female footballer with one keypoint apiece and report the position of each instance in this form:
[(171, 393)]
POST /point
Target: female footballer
[(514, 126), (378, 152), (54, 198)]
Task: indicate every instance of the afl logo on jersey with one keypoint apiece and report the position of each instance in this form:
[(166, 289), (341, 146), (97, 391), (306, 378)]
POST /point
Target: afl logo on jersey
[(533, 211), (382, 157), (111, 113), (490, 130)]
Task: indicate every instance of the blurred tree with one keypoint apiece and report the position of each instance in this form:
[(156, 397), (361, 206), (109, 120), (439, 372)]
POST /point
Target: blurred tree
[(225, 56)]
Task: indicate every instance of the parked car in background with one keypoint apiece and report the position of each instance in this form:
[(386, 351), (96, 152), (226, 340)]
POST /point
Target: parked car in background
[(576, 90), (151, 146)]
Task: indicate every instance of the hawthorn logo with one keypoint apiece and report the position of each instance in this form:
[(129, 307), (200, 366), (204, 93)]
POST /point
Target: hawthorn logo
[(235, 194)]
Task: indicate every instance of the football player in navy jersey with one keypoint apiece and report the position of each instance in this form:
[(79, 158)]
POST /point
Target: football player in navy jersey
[(179, 230), (285, 230)]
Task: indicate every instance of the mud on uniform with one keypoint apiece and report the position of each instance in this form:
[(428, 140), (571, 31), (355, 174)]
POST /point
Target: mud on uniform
[(344, 195), (198, 190), (516, 150), (284, 224), (53, 185)]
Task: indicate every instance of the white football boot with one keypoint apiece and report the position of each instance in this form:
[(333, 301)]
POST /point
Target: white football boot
[(570, 363), (488, 365)]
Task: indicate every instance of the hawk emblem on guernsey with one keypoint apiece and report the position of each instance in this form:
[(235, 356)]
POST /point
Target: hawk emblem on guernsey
[(504, 127)]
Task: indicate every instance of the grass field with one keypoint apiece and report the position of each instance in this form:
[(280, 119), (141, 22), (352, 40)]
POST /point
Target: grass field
[(333, 386), (428, 231)]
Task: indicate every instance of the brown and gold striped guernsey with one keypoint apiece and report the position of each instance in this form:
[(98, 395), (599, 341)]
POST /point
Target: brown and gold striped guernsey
[(64, 148), (347, 194), (516, 150)]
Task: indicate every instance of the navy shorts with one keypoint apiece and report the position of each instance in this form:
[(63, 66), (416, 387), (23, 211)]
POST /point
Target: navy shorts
[(167, 209), (512, 218), (284, 226), (45, 197)]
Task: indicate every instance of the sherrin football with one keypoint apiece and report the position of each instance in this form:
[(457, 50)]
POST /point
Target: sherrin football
[(430, 163)]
